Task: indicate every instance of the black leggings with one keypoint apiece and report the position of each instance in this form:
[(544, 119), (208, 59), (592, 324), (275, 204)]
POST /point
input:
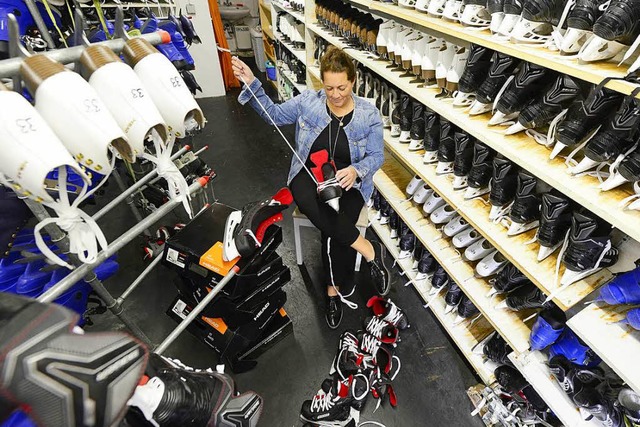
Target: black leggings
[(340, 227)]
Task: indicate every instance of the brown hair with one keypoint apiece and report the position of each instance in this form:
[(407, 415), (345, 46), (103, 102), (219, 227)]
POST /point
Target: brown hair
[(335, 60)]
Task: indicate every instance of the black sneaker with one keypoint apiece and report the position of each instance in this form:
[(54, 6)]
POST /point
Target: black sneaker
[(476, 69), (527, 83), (431, 135), (508, 279), (380, 273), (480, 173), (504, 182), (555, 221), (584, 116), (590, 248), (527, 296), (333, 314), (525, 212), (542, 110), (463, 159)]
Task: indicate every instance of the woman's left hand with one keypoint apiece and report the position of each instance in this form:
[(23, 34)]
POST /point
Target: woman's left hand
[(347, 177)]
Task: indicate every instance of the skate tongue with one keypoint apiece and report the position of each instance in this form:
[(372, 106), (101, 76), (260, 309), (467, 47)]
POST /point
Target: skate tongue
[(613, 181), (556, 150)]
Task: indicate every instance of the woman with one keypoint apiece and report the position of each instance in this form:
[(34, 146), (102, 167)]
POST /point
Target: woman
[(349, 128)]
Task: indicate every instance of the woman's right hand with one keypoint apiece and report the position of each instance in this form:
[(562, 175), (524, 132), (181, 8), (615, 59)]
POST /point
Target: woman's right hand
[(242, 70)]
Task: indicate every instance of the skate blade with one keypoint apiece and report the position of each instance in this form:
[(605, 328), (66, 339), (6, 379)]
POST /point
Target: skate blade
[(393, 234), (545, 251), (495, 212), (384, 220), (450, 308), (404, 254), (458, 320), (569, 277), (598, 49), (430, 157), (492, 292), (478, 349), (405, 137), (499, 118), (584, 165), (478, 108), (634, 206), (515, 128), (525, 32), (556, 150), (459, 182), (444, 168), (463, 99), (229, 249), (517, 228), (472, 193), (502, 306), (506, 26), (613, 181), (415, 145), (471, 16), (496, 20), (573, 40)]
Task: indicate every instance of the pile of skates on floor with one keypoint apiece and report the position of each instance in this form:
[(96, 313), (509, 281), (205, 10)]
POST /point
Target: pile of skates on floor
[(589, 30), (365, 365)]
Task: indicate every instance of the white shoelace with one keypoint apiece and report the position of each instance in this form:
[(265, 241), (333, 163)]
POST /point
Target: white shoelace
[(370, 344), (376, 327), (394, 315), (352, 305)]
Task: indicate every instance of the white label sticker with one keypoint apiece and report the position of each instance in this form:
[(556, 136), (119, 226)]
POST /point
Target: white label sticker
[(173, 257), (178, 309)]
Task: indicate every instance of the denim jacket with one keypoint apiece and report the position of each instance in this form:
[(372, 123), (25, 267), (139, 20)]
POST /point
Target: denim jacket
[(308, 111)]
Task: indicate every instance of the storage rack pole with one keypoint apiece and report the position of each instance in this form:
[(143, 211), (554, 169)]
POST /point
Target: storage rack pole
[(64, 284), (88, 275), (131, 202)]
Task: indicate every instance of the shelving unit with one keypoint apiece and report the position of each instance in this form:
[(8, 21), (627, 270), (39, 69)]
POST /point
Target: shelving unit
[(519, 148), (533, 367), (465, 337), (300, 54), (514, 248), (617, 344), (593, 73), (291, 79), (299, 16)]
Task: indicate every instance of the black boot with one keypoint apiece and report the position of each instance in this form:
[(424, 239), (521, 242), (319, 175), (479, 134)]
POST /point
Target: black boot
[(380, 273), (333, 314)]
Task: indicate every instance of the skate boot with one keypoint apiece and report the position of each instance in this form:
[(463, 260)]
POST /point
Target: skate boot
[(383, 331), (512, 382), (406, 118), (394, 224), (431, 136), (538, 20), (417, 254), (386, 310), (548, 327), (407, 52), (503, 187), (525, 212), (623, 289), (617, 28), (466, 310), (527, 83), (528, 296), (407, 245), (496, 349), (466, 238), (385, 211), (380, 271), (447, 148), (512, 10), (476, 14), (491, 264), (430, 60), (496, 10), (432, 203), (457, 225), (452, 10), (542, 111), (478, 250), (615, 138), (455, 71), (414, 185), (384, 105), (463, 159), (426, 266), (628, 170), (439, 280), (630, 402), (584, 117), (419, 48), (603, 408), (576, 351), (395, 107), (382, 41), (580, 24), (574, 377), (422, 194), (443, 214), (349, 360), (436, 7), (445, 59), (453, 297), (509, 279), (480, 173), (329, 189), (332, 404), (476, 69), (555, 221), (502, 67), (589, 248), (417, 127), (422, 5)]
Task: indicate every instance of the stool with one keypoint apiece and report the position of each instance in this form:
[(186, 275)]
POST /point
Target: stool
[(300, 220)]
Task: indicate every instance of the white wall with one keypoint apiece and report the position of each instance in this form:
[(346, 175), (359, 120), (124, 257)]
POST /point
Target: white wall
[(207, 70)]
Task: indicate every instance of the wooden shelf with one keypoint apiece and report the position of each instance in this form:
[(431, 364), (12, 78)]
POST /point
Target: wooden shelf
[(291, 79), (391, 181), (514, 248), (299, 16), (518, 148), (300, 54), (533, 367), (591, 72), (315, 72), (132, 4), (465, 337), (617, 344)]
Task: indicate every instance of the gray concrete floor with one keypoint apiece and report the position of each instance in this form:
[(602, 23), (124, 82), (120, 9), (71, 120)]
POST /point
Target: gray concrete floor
[(252, 162)]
